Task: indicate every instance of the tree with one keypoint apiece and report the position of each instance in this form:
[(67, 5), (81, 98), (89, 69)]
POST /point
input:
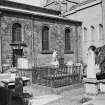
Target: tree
[(100, 58)]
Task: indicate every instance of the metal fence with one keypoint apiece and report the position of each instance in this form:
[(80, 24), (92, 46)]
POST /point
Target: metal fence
[(56, 77), (53, 76)]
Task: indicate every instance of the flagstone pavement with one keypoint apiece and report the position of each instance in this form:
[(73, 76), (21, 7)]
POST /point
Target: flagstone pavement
[(45, 96), (70, 96)]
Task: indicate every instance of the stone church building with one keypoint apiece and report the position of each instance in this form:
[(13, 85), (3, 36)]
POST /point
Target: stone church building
[(40, 31)]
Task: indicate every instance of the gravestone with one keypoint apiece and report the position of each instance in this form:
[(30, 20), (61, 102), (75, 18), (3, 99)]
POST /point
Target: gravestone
[(54, 61), (18, 85), (91, 84)]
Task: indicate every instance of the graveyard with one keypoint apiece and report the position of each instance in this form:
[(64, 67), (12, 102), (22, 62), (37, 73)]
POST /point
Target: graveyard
[(23, 86)]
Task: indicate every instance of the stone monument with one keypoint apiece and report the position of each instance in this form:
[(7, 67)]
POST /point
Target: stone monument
[(54, 59), (91, 72), (91, 84), (18, 85)]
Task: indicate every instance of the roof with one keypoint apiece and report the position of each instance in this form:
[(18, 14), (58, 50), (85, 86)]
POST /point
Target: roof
[(29, 11), (29, 7), (74, 1), (81, 4)]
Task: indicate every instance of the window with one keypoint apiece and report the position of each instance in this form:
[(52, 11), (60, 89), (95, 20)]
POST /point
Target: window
[(100, 31), (16, 32), (92, 33), (85, 34), (45, 38), (67, 40)]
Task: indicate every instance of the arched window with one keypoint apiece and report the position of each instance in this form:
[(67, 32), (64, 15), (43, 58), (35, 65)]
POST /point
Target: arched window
[(85, 34), (100, 31), (67, 40), (16, 32), (45, 38), (93, 33)]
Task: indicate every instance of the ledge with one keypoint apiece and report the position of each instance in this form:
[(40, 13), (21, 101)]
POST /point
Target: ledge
[(46, 52), (68, 52), (102, 81), (90, 80)]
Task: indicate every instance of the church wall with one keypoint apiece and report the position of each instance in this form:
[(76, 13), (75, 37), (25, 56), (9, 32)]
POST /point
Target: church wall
[(32, 28)]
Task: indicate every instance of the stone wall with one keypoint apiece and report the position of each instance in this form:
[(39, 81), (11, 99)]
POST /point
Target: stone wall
[(32, 36)]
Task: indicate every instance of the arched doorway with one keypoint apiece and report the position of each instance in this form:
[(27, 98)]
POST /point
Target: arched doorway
[(16, 43), (17, 53)]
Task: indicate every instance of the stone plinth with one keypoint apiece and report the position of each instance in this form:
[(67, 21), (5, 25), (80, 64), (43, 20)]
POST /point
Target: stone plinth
[(91, 86), (22, 63), (102, 85)]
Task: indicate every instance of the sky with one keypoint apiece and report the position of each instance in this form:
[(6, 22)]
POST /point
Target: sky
[(31, 2)]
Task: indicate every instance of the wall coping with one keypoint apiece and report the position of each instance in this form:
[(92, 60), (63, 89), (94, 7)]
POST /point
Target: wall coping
[(93, 80), (90, 80)]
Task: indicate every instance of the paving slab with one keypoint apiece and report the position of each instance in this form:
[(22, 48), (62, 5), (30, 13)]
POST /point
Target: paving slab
[(42, 100), (98, 100), (47, 96)]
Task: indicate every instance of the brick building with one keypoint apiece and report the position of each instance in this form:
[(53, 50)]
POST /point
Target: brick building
[(41, 30)]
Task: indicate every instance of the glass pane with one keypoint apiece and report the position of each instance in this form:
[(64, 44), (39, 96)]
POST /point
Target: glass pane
[(67, 39), (45, 38), (16, 33)]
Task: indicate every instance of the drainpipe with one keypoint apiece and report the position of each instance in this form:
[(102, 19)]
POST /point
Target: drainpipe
[(33, 45), (103, 18), (0, 45)]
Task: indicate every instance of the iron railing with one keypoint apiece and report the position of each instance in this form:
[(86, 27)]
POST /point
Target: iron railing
[(53, 76), (56, 77)]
